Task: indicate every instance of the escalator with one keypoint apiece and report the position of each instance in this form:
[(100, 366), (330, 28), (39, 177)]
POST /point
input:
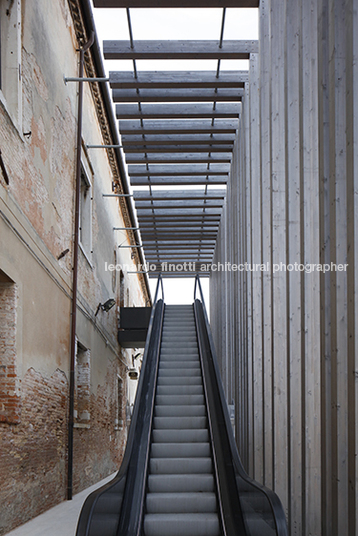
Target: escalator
[(181, 482), (181, 474)]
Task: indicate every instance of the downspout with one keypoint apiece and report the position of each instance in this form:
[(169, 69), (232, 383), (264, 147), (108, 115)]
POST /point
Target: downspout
[(75, 269)]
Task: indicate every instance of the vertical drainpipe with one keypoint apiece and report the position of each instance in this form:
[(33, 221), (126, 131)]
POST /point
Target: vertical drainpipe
[(75, 269)]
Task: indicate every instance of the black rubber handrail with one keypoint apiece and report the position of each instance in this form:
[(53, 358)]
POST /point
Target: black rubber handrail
[(129, 478), (232, 520), (212, 378), (130, 522)]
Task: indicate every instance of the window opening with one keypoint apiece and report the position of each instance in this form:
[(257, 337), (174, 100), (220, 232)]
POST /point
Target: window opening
[(10, 402)]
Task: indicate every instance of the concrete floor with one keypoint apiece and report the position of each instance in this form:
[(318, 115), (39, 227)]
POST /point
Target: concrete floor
[(61, 520)]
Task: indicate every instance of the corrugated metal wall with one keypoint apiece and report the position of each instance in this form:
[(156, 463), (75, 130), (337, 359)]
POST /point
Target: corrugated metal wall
[(287, 340)]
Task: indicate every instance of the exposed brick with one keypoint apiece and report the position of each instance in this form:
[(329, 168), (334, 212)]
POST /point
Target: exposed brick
[(107, 443), (33, 453)]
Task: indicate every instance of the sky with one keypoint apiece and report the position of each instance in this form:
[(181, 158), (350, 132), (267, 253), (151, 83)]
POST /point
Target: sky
[(172, 23)]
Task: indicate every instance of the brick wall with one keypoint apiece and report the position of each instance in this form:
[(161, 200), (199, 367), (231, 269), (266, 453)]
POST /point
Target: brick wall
[(101, 432), (33, 452)]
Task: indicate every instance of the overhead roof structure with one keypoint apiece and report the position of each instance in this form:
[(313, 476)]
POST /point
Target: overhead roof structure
[(178, 130), (176, 3)]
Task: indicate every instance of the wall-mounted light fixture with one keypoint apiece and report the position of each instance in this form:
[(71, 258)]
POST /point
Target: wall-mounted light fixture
[(134, 357), (133, 374), (106, 306)]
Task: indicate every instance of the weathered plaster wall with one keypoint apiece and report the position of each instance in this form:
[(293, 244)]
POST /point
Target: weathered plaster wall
[(287, 340), (36, 226)]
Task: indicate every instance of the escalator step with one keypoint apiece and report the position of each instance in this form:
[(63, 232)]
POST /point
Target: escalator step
[(179, 400), (180, 450), (181, 502), (180, 389), (182, 342), (185, 356), (178, 466), (175, 363), (180, 411), (180, 483), (180, 380), (184, 347), (204, 524), (181, 436), (183, 371), (181, 423)]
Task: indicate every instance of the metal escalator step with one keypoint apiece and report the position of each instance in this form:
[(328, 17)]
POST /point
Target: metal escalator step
[(180, 483), (183, 371), (176, 435), (181, 423), (179, 327), (184, 389), (179, 466), (185, 328), (170, 335), (179, 400), (180, 450), (204, 524), (185, 410), (179, 349), (185, 356), (175, 363), (179, 311), (175, 315), (179, 320), (179, 342), (180, 380), (181, 502)]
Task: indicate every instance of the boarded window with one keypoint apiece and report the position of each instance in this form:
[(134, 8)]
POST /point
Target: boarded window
[(83, 383), (120, 404), (10, 57), (10, 402), (121, 289), (86, 213)]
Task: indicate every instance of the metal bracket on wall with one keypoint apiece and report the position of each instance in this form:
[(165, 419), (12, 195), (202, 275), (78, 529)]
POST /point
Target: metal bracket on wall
[(117, 195), (125, 228), (133, 246), (104, 146), (79, 79)]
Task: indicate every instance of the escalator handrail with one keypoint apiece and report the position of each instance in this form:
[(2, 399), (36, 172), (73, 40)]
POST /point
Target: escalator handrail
[(131, 518), (273, 499), (156, 317), (232, 520)]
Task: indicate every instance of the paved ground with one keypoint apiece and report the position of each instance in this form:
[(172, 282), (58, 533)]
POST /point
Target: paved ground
[(61, 520)]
